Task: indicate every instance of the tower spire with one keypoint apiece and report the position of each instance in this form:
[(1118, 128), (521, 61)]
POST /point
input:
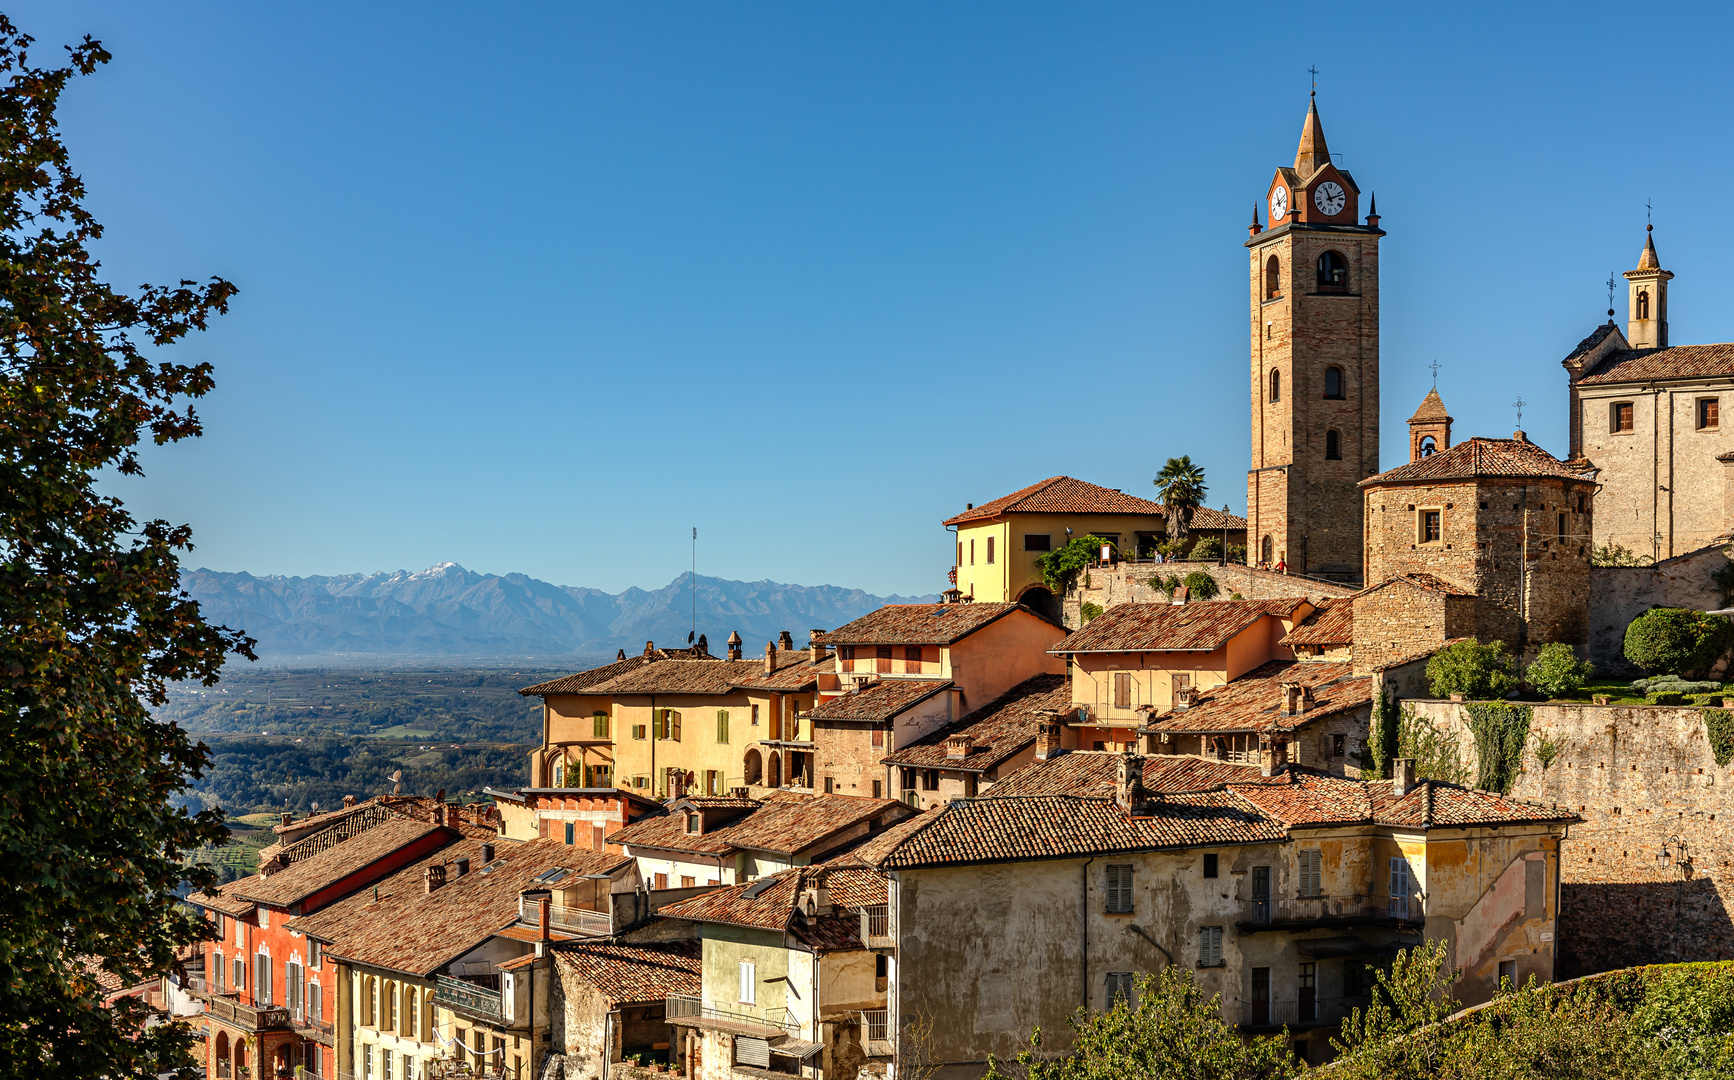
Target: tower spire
[(1313, 154), (1648, 260)]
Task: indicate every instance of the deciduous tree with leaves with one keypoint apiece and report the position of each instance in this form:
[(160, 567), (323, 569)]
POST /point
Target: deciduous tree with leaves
[(95, 623)]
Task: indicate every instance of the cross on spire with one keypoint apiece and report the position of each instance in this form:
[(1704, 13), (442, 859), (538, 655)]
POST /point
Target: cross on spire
[(1315, 74), (1518, 405), (1435, 365), (1647, 223)]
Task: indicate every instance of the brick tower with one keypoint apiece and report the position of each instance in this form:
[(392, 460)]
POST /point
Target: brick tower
[(1314, 278)]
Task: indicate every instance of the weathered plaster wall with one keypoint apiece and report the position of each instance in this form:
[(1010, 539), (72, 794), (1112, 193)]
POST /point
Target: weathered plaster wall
[(1619, 594), (1129, 583)]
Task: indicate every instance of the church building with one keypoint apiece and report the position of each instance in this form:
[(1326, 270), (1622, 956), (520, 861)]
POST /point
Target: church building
[(1313, 277), (1648, 415)]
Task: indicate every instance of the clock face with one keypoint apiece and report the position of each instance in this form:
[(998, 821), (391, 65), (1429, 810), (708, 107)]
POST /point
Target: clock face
[(1278, 204), (1329, 197)]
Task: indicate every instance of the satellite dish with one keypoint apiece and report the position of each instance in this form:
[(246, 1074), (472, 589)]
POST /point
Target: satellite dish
[(690, 634), (396, 779)]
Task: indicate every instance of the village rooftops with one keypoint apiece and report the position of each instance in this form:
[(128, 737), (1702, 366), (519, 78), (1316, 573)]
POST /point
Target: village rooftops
[(781, 824), (1204, 626), (302, 878), (1062, 495), (878, 701), (1254, 702), (582, 682), (996, 731), (1091, 773), (1429, 582), (794, 670), (773, 902), (679, 677), (635, 974), (1477, 459), (921, 624), (1332, 624)]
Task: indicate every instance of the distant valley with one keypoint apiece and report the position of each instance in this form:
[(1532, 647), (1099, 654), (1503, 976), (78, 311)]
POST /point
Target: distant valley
[(448, 613)]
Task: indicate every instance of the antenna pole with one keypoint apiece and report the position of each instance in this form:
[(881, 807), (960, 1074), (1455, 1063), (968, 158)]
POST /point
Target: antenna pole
[(695, 579)]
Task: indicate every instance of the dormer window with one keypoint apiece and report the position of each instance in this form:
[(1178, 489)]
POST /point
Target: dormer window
[(694, 824), (1333, 272)]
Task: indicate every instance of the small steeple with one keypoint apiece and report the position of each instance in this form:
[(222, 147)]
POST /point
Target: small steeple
[(1313, 154), (1647, 318), (1648, 260), (1429, 428)]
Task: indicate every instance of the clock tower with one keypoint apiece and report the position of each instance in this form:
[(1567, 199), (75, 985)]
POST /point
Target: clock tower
[(1314, 276)]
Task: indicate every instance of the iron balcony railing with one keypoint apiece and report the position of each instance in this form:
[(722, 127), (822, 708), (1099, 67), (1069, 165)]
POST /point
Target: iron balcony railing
[(566, 919), (476, 999), (876, 1032), (687, 1007), (247, 1017), (1286, 911), (1302, 1011), (876, 926)]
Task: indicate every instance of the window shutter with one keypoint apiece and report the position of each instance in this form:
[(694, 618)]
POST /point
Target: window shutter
[(1311, 873), (753, 1052), (749, 983), (1210, 946), (1119, 888), (722, 725), (1120, 985), (676, 718), (599, 725)]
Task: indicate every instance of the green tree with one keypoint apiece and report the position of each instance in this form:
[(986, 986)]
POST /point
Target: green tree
[(1678, 640), (1174, 1032), (1061, 566), (1201, 586), (1557, 672), (1399, 1034), (1181, 485), (1611, 554), (95, 622), (1476, 671)]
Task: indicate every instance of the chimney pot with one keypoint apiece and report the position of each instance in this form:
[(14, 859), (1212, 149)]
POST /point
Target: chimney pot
[(1129, 782), (287, 818), (348, 801), (703, 646), (1402, 776), (649, 648), (621, 655), (487, 853), (785, 641), (734, 644), (1181, 595), (436, 876), (957, 746), (463, 865), (770, 658), (1047, 739), (815, 650), (1272, 756)]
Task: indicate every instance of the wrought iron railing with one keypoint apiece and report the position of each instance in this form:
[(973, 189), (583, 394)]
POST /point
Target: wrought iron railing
[(687, 1007), (246, 1016), (477, 999), (1296, 1012), (876, 925), (876, 1032)]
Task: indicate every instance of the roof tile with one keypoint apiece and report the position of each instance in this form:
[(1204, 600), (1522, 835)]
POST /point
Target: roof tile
[(1253, 702), (878, 701), (1675, 362), (1061, 495), (634, 974), (996, 731), (1477, 458), (1158, 627), (920, 624)]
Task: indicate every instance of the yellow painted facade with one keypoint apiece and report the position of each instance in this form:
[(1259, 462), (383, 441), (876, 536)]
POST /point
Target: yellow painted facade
[(997, 563)]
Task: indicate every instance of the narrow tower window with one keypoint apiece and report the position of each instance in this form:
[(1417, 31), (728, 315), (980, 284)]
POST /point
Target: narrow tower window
[(1273, 278), (1333, 272), (1333, 446), (1334, 382), (1643, 304), (1276, 386)]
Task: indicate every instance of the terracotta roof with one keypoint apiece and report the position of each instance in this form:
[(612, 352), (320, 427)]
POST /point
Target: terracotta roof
[(880, 844), (878, 701), (1479, 458), (996, 731), (1432, 407), (786, 826), (1588, 344), (635, 974), (1332, 624), (1309, 798), (411, 930), (1428, 582), (225, 901), (1064, 826), (584, 680), (771, 903), (1202, 626), (1253, 702), (1675, 362), (299, 880), (1204, 519), (680, 677), (920, 624), (1061, 495), (795, 670), (1090, 773)]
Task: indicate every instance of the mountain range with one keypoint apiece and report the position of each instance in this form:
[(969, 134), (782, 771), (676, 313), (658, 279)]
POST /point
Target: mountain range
[(448, 613)]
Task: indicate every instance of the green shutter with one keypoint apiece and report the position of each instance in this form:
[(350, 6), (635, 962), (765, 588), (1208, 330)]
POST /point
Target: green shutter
[(599, 725), (722, 725)]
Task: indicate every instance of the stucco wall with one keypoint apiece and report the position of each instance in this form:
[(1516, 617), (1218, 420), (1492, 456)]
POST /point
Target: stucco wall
[(1619, 594), (1130, 583)]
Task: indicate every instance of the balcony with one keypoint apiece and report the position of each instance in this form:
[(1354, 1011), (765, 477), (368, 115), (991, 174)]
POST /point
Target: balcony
[(876, 927), (1303, 1012), (315, 1028), (567, 920), (459, 994), (742, 1019), (876, 1033), (1327, 912), (247, 1017)]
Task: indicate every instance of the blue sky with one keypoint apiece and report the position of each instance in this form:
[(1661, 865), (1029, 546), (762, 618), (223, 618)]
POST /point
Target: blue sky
[(541, 287)]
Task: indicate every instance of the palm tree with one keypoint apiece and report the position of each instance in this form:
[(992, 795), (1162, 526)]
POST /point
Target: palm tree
[(1181, 485)]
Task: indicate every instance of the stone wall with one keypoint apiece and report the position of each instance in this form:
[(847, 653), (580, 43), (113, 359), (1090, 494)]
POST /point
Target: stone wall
[(1401, 619), (1126, 583), (1619, 594), (1645, 782)]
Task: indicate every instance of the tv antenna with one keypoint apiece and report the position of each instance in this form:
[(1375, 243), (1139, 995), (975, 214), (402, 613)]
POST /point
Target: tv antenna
[(692, 636)]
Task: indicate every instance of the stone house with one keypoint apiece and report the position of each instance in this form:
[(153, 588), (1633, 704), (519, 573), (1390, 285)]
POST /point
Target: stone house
[(1316, 714), (1408, 614), (1136, 658), (704, 841), (1010, 911), (611, 1002), (964, 758), (1327, 634), (790, 985)]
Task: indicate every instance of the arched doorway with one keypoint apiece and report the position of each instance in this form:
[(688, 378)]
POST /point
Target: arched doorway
[(222, 1052), (1266, 550), (775, 777), (752, 766), (1039, 600), (240, 1056), (284, 1067)]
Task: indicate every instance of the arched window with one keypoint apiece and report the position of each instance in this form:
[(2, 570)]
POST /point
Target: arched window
[(1428, 446), (1333, 446), (1276, 386), (1334, 382), (1333, 272), (414, 1013), (1266, 548), (1273, 278), (1643, 304)]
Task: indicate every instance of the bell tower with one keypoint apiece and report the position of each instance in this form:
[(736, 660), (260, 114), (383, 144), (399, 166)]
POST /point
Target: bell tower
[(1314, 275), (1647, 322)]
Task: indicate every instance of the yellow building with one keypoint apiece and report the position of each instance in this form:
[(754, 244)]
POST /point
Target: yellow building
[(999, 542)]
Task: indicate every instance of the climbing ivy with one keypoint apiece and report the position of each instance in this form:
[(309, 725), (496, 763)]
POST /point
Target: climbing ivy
[(1546, 751), (1382, 739), (1719, 726), (1500, 729), (1434, 749), (1089, 611)]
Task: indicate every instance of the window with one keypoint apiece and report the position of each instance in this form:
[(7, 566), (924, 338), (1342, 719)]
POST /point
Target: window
[(1119, 898), (972, 553), (1562, 530), (315, 953), (1261, 995), (749, 984), (1210, 946), (262, 979), (295, 988), (1399, 907), (670, 725), (661, 881), (393, 1000), (414, 1018), (1334, 382), (687, 882), (753, 1052), (221, 925), (1508, 974), (1120, 988), (930, 780), (373, 1001), (638, 732), (1429, 446), (1580, 503), (367, 1062), (239, 973), (912, 659), (571, 828), (1210, 865), (1311, 863), (1709, 413), (722, 725), (1339, 745), (1333, 272), (712, 782), (1276, 386), (1308, 979), (385, 1065), (1038, 541), (1620, 417), (598, 838), (1333, 446), (990, 551), (755, 719), (1429, 527), (878, 736), (877, 789), (1643, 304), (829, 785), (1273, 277), (1122, 689)]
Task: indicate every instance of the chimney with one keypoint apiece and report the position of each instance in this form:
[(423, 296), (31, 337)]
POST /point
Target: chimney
[(785, 642), (463, 865), (619, 656), (703, 646), (487, 854), (1185, 697), (815, 651), (1047, 740), (547, 913), (957, 747), (286, 818), (1129, 782), (436, 876), (1272, 756), (649, 649), (770, 658), (1180, 596), (734, 644), (348, 801), (1296, 698), (816, 901), (1402, 776), (1520, 436)]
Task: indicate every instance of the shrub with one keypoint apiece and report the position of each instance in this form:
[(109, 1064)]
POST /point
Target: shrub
[(1616, 555), (1237, 554), (1667, 697), (1200, 586), (1677, 639), (1164, 584), (1208, 548), (1719, 726), (1060, 568), (1089, 610), (1675, 684), (1478, 672), (1557, 672)]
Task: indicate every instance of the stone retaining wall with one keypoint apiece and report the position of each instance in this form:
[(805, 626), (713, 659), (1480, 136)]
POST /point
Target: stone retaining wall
[(1129, 583)]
